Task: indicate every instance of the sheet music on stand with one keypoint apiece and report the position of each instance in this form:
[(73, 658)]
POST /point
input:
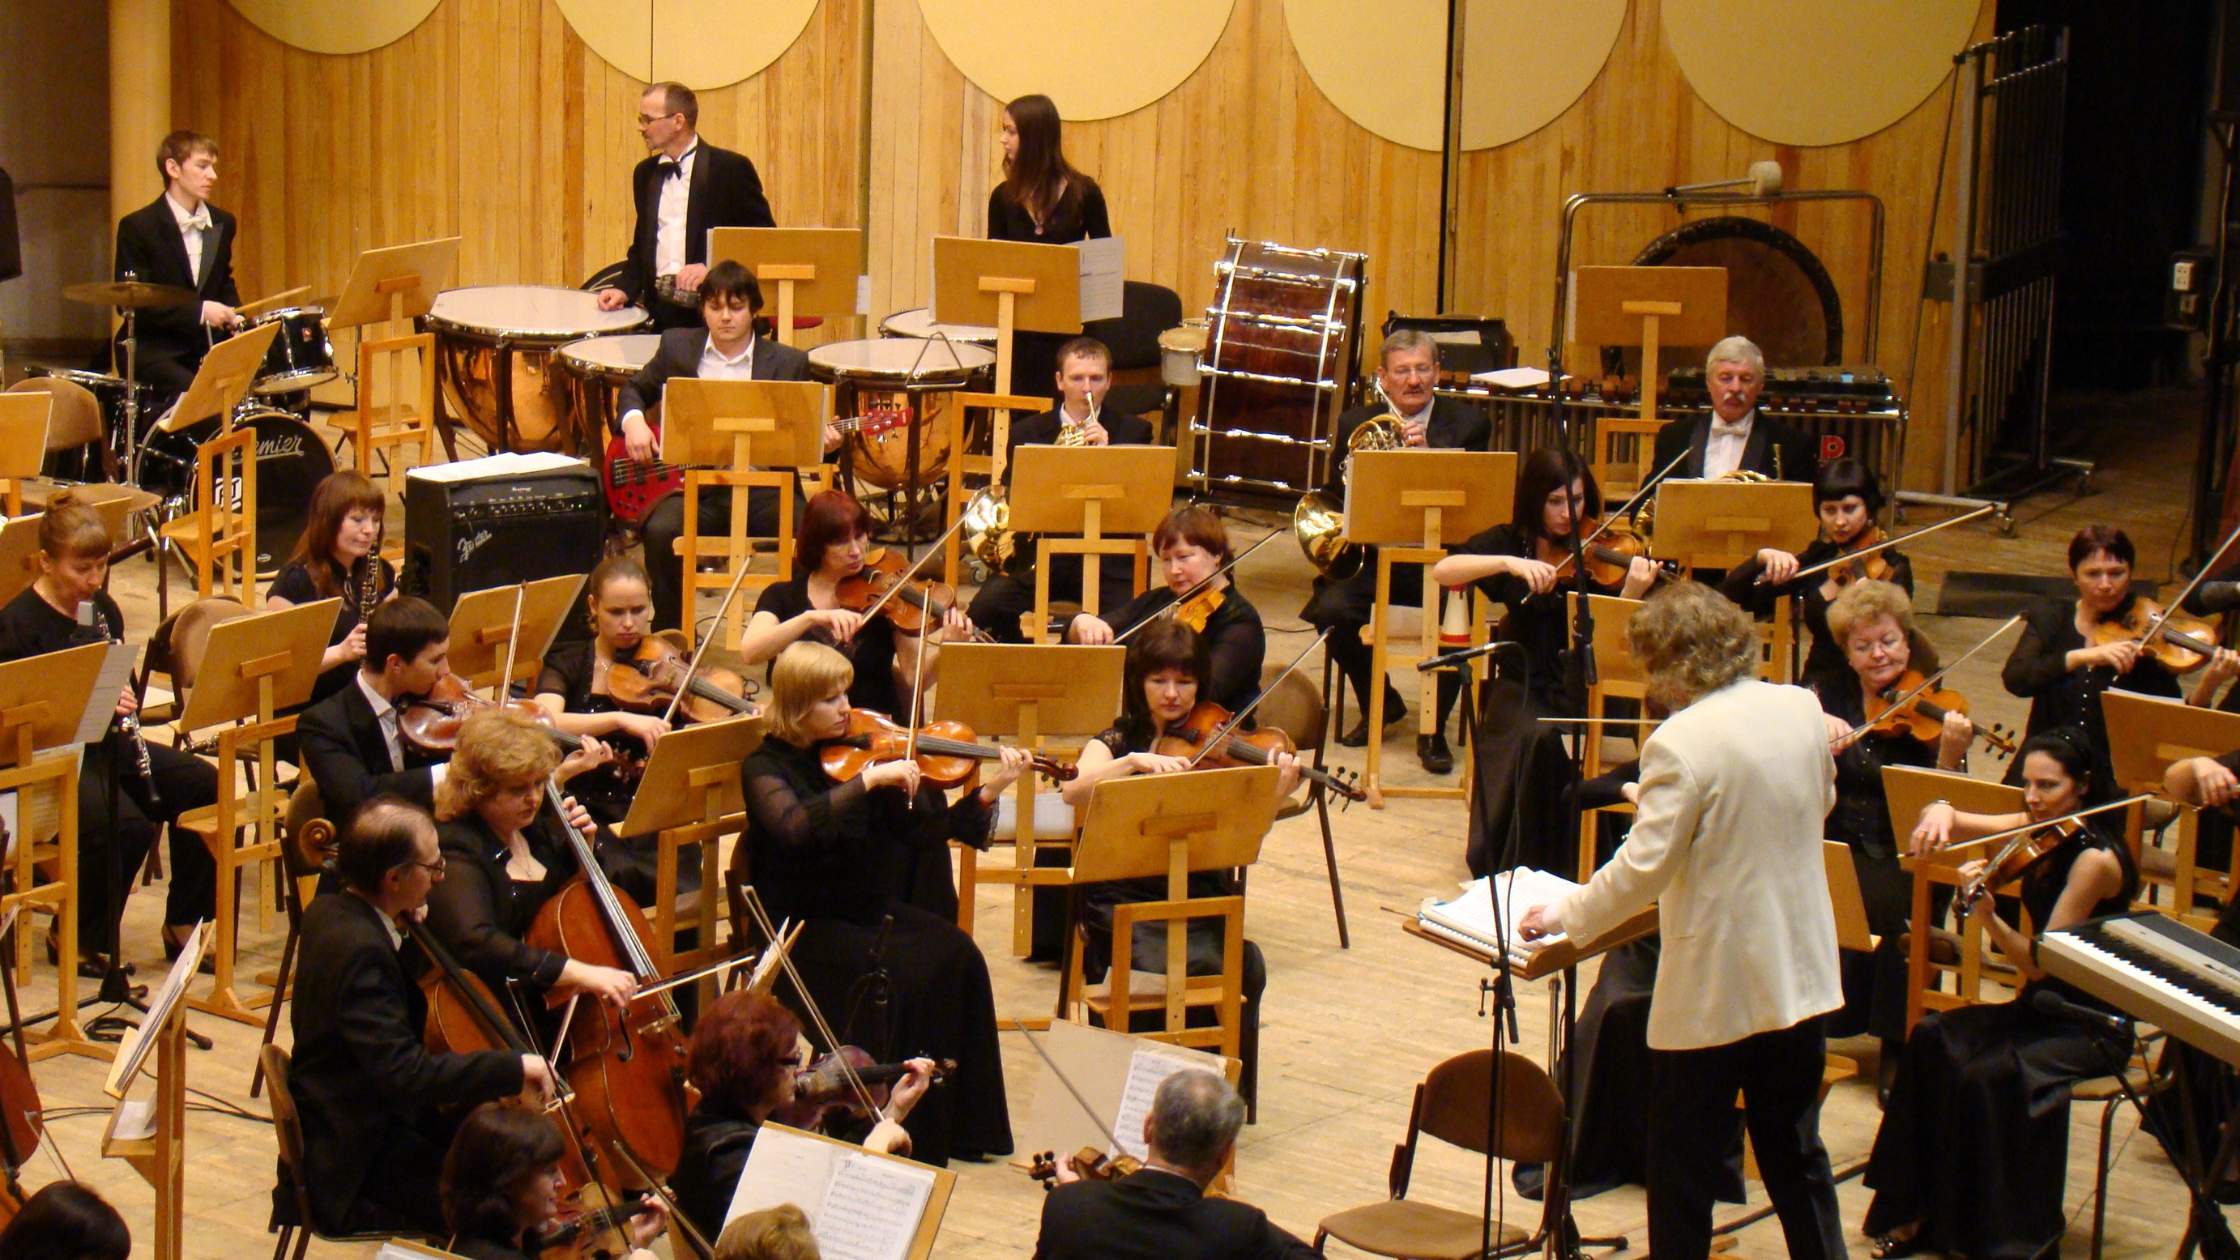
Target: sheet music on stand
[(1468, 919), (115, 676), (861, 1205), (165, 1001), (1148, 1069)]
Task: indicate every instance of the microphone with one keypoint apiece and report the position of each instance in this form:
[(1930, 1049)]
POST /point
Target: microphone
[(2216, 597), (1456, 660), (2055, 1006), (1764, 180)]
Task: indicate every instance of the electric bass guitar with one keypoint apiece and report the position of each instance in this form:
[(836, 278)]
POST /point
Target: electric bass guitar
[(633, 486)]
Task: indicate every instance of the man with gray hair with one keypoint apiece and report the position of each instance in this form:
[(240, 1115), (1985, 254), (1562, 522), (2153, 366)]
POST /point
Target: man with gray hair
[(1161, 1213), (1735, 435)]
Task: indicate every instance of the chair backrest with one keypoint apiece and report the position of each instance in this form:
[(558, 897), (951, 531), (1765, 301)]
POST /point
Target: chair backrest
[(180, 642), (76, 418), (286, 1123), (1452, 1105), (229, 517), (1294, 707), (1146, 310)]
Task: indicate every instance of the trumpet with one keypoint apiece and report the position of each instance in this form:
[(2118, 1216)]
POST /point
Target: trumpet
[(1318, 523), (1071, 433)]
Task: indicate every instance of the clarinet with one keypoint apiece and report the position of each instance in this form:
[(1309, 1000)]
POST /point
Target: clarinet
[(128, 724), (369, 588)]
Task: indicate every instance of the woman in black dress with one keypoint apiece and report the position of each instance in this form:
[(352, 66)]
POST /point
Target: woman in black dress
[(835, 536), (746, 1053), (864, 865), (67, 605), (1872, 623), (338, 555), (501, 1188), (572, 687), (1191, 543), (1846, 495), (1974, 1145), (1523, 773), (506, 853), (1042, 200)]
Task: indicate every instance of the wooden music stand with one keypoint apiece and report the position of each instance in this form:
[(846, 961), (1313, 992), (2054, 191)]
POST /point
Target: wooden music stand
[(43, 702), (1909, 790), (1720, 524), (739, 434), (814, 270), (482, 624), (1412, 505), (1078, 499), (23, 442), (19, 551), (1649, 307), (153, 1139), (2145, 735), (796, 1167), (1170, 826), (223, 380), (252, 667), (1098, 1062), (1618, 676), (690, 795), (1026, 693), (394, 283), (1550, 959)]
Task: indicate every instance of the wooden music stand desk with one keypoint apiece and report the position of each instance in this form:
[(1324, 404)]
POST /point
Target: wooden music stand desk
[(1078, 498), (43, 701), (1097, 1062), (813, 269), (23, 442), (1412, 505), (2145, 735), (1168, 826), (19, 550), (482, 624), (395, 282), (1649, 307), (156, 1146), (690, 795), (1720, 524), (1028, 693), (1910, 790), (252, 668), (738, 434), (223, 380), (387, 285)]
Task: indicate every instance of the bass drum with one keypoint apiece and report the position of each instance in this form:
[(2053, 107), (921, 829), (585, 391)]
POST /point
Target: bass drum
[(1778, 294), (1277, 364), (291, 462)]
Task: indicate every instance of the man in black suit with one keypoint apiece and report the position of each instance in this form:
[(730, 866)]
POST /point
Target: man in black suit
[(1407, 369), (1734, 436), (682, 189), (1161, 1213), (722, 346), (367, 1088), (1083, 378), (352, 744), (180, 239)]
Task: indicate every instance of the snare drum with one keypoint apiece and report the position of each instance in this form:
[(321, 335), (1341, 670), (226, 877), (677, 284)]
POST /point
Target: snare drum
[(291, 462), (918, 322), (1179, 349), (901, 372), (300, 356), (495, 349)]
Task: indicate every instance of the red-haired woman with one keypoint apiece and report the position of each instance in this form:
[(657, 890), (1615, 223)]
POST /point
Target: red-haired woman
[(339, 555)]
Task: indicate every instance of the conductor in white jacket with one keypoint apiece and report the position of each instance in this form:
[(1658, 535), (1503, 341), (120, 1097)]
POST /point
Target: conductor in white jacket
[(1734, 792)]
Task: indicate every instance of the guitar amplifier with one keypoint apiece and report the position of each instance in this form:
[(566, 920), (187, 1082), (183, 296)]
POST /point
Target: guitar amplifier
[(479, 523)]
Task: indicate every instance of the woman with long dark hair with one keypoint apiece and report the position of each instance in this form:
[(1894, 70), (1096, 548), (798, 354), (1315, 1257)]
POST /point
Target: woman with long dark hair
[(501, 1187), (1042, 200)]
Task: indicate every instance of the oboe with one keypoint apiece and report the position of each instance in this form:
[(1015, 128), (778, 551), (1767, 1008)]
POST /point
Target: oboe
[(369, 587), (127, 724)]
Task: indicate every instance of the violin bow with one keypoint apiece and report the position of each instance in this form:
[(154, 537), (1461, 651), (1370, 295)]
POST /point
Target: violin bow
[(1195, 588), (1071, 1088), (655, 1186), (500, 693), (817, 1020), (1630, 506), (1221, 733), (722, 610), (1887, 543), (2162, 621), (895, 587), (2072, 816), (1925, 684)]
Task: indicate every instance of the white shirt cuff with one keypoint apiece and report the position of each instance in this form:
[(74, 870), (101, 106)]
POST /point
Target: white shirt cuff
[(630, 413), (436, 773)]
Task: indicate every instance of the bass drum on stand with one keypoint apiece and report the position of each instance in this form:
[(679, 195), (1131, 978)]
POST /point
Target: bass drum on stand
[(291, 462)]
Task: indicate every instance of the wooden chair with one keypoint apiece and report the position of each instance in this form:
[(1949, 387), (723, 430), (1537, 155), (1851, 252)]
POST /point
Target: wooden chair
[(1455, 1104), (1295, 708), (74, 422), (1125, 992), (406, 413), (287, 1125), (218, 535), (1907, 790), (1617, 677)]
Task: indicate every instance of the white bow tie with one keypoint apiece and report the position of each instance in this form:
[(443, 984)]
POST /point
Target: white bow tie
[(199, 220), (1720, 428)]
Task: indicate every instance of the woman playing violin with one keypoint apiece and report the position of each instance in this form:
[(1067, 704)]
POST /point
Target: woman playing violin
[(833, 540), (1971, 1155), (501, 1189), (338, 555), (573, 685), (865, 865), (1191, 543), (1846, 496), (505, 855), (1874, 623), (746, 1054), (1523, 776)]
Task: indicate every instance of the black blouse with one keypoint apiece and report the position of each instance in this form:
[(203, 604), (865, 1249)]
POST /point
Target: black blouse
[(567, 673), (294, 584), (716, 1147), (30, 626), (1861, 817), (872, 651), (1540, 622), (1825, 656), (1233, 633), (1075, 218), (482, 914), (826, 851), (2059, 696), (2042, 886)]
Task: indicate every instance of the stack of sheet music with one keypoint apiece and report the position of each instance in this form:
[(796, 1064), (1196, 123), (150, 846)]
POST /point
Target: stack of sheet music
[(1468, 919)]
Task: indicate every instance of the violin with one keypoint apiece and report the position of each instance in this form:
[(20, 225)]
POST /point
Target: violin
[(2016, 857), (645, 681), (1610, 555), (431, 722), (1197, 610), (1191, 737), (2184, 644), (1923, 716), (947, 752), (592, 1232), (822, 1091), (1874, 567), (1088, 1163), (909, 604)]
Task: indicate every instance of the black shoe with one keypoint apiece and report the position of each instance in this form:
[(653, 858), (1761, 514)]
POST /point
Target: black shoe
[(1892, 1247), (1433, 752), (1358, 735)]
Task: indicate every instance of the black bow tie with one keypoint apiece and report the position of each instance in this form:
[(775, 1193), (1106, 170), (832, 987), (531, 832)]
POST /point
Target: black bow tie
[(670, 170)]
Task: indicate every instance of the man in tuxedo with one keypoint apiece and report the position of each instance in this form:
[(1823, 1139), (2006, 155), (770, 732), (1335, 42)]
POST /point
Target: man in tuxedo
[(352, 743), (682, 188), (1161, 1213), (1735, 436), (1407, 369), (365, 1085), (722, 348), (1734, 794), (1083, 378), (180, 239)]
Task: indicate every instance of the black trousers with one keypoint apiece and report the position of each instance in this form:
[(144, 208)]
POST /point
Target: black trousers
[(664, 525), (182, 782), (1353, 659), (1693, 1124)]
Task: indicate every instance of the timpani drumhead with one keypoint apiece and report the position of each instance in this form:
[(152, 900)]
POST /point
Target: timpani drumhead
[(1778, 294), (918, 322), (893, 360), (529, 312), (617, 357)]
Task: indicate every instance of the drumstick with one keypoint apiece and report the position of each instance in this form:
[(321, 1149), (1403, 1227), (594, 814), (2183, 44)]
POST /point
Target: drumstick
[(271, 302)]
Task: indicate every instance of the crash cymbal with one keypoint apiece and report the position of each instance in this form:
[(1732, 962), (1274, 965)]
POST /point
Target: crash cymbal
[(132, 294)]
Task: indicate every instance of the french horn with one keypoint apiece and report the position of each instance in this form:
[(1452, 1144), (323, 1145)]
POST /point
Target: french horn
[(1319, 524)]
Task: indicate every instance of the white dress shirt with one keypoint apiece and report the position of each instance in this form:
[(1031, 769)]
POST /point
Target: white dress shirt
[(717, 366), (194, 229), (670, 201), (1722, 451), (392, 732)]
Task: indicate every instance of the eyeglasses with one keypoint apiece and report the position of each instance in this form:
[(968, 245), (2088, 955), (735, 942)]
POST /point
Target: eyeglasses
[(1888, 643), (435, 868), (647, 120), (1414, 371)]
